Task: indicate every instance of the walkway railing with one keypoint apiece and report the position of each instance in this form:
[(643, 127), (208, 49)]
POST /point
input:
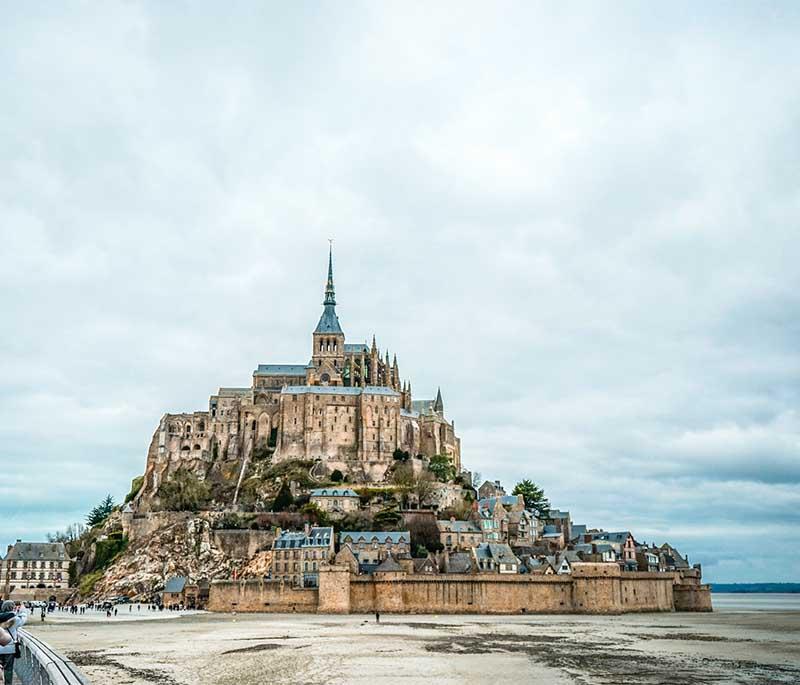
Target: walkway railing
[(40, 664)]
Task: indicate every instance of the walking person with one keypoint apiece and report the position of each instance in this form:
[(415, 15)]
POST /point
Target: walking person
[(377, 617), (43, 614), (13, 616)]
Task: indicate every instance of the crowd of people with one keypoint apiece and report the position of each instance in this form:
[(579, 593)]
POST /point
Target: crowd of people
[(13, 616)]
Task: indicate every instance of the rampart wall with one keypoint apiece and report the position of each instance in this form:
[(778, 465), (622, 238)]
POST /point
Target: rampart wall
[(260, 596), (598, 588), (692, 598)]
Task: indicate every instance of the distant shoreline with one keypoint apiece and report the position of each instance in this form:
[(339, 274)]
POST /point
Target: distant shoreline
[(756, 588)]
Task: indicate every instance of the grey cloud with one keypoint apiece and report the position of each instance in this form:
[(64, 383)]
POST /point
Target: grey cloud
[(581, 223)]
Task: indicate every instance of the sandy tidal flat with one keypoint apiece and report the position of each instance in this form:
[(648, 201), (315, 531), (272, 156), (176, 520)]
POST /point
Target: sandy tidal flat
[(224, 649)]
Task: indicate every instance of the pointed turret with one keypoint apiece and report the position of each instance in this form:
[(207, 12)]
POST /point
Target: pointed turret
[(438, 404)]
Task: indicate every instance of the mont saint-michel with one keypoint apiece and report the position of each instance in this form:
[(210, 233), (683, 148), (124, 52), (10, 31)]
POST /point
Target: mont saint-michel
[(348, 408)]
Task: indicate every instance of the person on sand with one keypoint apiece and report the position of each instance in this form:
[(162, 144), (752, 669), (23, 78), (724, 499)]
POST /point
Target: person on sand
[(12, 618), (377, 617)]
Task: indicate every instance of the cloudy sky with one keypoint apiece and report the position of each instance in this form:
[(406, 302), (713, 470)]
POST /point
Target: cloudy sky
[(582, 221)]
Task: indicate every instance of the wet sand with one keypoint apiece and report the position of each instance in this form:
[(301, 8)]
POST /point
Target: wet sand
[(723, 647)]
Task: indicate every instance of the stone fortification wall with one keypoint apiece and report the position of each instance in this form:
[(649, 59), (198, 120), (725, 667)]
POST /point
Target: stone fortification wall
[(592, 588), (460, 594), (692, 598), (260, 596)]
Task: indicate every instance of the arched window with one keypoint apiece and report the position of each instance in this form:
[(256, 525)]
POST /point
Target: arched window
[(197, 447)]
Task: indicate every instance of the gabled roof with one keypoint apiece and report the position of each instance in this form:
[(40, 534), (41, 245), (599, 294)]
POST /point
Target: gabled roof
[(34, 551), (388, 565), (333, 492), (459, 562), (176, 584), (497, 551), (426, 565), (382, 537)]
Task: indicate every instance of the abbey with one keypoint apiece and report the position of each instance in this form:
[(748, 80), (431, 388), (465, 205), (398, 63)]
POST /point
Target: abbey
[(347, 408)]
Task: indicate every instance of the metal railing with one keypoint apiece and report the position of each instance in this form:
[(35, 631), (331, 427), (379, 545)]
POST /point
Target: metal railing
[(40, 664)]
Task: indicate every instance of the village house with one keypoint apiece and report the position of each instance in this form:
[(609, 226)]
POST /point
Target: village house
[(296, 556), (623, 543), (458, 535), (34, 565), (372, 547), (492, 557), (647, 559), (561, 521), (336, 502), (491, 489), (671, 559)]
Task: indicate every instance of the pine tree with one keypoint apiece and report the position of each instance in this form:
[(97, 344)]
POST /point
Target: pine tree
[(533, 495)]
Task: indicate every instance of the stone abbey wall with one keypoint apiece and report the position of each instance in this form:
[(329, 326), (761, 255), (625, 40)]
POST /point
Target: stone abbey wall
[(592, 588)]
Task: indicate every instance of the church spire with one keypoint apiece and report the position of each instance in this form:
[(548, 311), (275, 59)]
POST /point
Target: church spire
[(330, 293), (329, 322)]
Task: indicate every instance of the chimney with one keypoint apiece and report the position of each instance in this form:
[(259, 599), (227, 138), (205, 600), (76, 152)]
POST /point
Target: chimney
[(306, 529)]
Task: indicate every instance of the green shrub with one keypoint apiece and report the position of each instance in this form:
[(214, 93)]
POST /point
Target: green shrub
[(107, 550), (136, 485), (184, 491), (87, 583)]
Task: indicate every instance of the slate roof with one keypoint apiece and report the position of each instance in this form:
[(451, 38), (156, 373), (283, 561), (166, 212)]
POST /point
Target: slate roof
[(356, 348), (337, 390), (317, 537), (458, 526), (34, 551), (280, 370), (328, 322), (422, 406), (393, 537), (618, 538), (388, 565), (459, 562), (176, 584), (498, 551), (426, 565), (578, 530), (333, 492)]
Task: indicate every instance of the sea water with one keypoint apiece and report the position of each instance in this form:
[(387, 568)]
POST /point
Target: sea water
[(755, 601)]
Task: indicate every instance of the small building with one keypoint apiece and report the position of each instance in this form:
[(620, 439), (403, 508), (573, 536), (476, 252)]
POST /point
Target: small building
[(426, 566), (492, 557), (34, 565), (457, 535), (372, 547), (336, 502), (173, 594), (623, 543), (491, 489), (296, 556)]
